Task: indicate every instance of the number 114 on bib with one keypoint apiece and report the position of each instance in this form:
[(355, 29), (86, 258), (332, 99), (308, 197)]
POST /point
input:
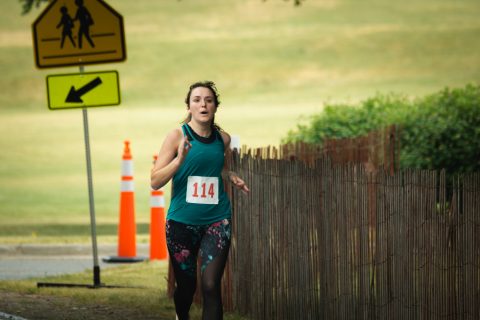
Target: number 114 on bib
[(202, 190)]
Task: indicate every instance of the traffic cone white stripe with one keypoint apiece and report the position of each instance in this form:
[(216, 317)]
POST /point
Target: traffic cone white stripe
[(127, 168), (127, 186), (157, 202)]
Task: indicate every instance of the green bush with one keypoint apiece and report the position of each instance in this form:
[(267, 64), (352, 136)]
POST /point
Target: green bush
[(439, 131), (444, 132)]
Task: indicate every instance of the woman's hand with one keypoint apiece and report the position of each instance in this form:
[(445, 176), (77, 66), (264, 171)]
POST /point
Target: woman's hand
[(238, 182), (183, 149)]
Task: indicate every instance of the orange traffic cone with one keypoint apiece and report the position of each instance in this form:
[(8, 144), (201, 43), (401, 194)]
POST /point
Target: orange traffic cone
[(127, 248), (158, 242)]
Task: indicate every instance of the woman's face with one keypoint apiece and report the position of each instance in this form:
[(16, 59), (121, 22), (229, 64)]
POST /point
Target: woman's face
[(202, 104)]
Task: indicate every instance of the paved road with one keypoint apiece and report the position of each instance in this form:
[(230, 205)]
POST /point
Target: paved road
[(27, 261)]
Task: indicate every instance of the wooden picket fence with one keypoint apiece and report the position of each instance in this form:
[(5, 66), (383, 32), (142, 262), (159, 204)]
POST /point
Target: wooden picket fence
[(327, 241)]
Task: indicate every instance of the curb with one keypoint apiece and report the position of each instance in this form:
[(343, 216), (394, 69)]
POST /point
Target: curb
[(7, 316), (63, 250)]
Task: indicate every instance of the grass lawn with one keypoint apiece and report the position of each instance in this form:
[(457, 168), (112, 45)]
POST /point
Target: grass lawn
[(150, 301), (275, 64)]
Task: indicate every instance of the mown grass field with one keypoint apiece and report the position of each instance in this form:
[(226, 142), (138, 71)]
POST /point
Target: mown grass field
[(143, 296), (275, 64)]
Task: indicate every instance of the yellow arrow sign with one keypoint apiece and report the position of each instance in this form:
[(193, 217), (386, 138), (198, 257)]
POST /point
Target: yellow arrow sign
[(78, 32), (80, 90)]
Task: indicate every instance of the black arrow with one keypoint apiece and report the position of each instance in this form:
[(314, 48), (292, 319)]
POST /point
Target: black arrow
[(76, 95)]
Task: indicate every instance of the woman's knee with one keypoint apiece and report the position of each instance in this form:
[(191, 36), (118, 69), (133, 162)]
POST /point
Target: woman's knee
[(210, 287)]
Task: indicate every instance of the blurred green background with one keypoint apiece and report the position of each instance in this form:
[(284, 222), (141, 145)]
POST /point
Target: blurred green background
[(274, 64)]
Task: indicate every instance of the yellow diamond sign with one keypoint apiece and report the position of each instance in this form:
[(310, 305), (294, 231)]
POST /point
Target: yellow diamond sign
[(80, 90), (78, 32)]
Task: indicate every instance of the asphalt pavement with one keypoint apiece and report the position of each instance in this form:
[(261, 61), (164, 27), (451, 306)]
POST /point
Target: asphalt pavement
[(32, 261)]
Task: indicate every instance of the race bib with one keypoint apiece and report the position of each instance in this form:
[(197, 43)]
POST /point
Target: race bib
[(202, 190)]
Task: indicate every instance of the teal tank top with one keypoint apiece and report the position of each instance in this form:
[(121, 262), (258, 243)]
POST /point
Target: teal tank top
[(198, 195)]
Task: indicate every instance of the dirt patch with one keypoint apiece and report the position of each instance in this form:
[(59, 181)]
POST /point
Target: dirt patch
[(40, 307)]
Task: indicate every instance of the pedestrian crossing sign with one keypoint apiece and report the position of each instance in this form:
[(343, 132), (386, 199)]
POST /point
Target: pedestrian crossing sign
[(78, 32)]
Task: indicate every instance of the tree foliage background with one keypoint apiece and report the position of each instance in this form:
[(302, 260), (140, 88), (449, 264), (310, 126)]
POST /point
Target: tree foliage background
[(27, 5), (438, 131)]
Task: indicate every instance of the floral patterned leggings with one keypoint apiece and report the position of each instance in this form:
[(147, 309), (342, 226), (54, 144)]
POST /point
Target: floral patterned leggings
[(184, 243)]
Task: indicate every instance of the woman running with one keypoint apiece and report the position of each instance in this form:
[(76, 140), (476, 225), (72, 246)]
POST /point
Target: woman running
[(199, 216)]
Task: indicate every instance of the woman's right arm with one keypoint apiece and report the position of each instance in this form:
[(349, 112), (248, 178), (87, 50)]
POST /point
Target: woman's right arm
[(172, 154)]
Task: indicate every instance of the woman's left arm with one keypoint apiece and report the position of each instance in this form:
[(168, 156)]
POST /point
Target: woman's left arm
[(226, 173)]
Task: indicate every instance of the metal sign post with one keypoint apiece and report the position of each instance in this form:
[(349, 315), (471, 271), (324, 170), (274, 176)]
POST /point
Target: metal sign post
[(96, 267)]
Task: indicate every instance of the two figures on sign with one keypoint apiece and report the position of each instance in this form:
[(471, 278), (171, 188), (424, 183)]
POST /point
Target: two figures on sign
[(68, 23)]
